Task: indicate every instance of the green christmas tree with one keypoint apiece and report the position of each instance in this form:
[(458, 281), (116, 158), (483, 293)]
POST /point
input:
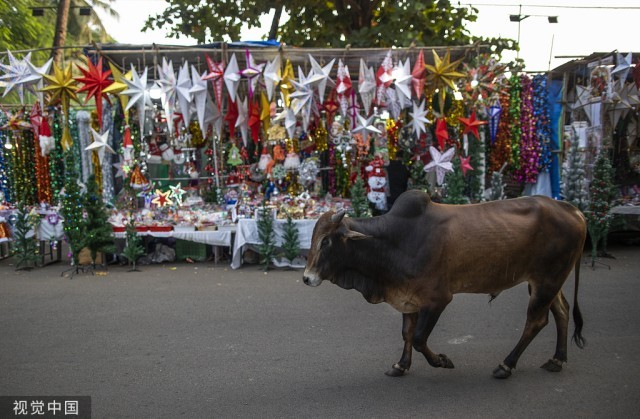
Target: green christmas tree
[(266, 235), (455, 185), (290, 240), (99, 231), (25, 246), (598, 212), (417, 176), (359, 202), (573, 179), (133, 248), (75, 224)]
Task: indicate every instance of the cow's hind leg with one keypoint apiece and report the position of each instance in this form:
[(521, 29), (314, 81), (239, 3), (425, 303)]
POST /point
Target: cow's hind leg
[(537, 318), (409, 321), (427, 319), (560, 311)]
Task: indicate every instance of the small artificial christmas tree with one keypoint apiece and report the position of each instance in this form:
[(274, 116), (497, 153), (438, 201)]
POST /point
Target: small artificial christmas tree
[(266, 235), (573, 178), (598, 212), (290, 240), (455, 185), (72, 210), (25, 247), (359, 202), (99, 231), (133, 248)]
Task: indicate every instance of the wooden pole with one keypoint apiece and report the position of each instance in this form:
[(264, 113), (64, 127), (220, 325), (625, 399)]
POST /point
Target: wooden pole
[(61, 30)]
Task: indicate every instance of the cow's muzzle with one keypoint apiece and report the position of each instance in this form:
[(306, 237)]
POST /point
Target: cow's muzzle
[(311, 279)]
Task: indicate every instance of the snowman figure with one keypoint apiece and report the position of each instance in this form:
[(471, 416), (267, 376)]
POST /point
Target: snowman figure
[(377, 181)]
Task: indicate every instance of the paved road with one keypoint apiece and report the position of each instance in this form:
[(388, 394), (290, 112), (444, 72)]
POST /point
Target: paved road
[(205, 341)]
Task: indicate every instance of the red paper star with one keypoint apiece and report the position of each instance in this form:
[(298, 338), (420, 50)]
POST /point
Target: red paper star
[(465, 165), (232, 116), (216, 76), (419, 76), (95, 80), (471, 124), (442, 134), (254, 121)]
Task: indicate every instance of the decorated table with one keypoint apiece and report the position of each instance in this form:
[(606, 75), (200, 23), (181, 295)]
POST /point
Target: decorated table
[(247, 236)]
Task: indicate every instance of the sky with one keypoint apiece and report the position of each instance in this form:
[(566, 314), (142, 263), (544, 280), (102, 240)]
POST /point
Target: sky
[(580, 31)]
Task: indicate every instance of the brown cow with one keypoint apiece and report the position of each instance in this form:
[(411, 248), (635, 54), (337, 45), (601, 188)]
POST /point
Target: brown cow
[(420, 253)]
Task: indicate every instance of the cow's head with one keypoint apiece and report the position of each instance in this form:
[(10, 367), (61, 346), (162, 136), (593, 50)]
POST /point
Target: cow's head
[(328, 254)]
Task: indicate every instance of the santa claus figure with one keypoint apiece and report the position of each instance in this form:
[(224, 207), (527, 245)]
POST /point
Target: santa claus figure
[(377, 181)]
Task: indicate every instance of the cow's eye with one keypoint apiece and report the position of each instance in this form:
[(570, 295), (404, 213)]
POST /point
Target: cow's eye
[(325, 242)]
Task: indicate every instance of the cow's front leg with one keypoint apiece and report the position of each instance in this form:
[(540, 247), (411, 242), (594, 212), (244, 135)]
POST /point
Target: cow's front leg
[(408, 327), (427, 319)]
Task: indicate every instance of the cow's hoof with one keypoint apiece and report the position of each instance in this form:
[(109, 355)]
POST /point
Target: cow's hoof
[(502, 371), (396, 371), (552, 365), (445, 362)]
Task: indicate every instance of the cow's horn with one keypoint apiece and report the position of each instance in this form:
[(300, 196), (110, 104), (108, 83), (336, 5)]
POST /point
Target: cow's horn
[(338, 216)]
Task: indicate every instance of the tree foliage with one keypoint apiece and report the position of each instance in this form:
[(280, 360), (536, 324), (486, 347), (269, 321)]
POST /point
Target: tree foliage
[(318, 23)]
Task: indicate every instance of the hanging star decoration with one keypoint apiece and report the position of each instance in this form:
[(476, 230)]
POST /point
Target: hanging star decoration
[(183, 88), (419, 75), (36, 77), (216, 77), (384, 78), (232, 77), (442, 133), (401, 79), (100, 144), (199, 93), (118, 86), (122, 168), (15, 74), (622, 68), (251, 72), (343, 87), (169, 90), (321, 74), (176, 193), (232, 116), (365, 126), (243, 120), (265, 111), (272, 76), (442, 74), (440, 163), (138, 94), (62, 88), (162, 199), (471, 125), (465, 165), (286, 87), (494, 112), (366, 86), (419, 118), (94, 80), (483, 81)]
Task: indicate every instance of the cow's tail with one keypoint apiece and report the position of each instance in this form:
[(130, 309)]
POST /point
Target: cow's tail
[(577, 316)]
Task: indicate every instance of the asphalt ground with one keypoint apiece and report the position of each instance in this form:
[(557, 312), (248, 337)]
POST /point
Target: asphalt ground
[(202, 340)]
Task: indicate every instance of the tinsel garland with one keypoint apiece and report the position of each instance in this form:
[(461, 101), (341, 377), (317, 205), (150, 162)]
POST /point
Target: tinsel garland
[(514, 116), (4, 179), (332, 169), (56, 160), (22, 166), (108, 192), (85, 138), (393, 133), (43, 176), (543, 120), (501, 148), (529, 146)]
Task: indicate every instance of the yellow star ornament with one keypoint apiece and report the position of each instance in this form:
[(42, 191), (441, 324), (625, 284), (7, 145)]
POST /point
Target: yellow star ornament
[(286, 87), (442, 74), (118, 86), (62, 87)]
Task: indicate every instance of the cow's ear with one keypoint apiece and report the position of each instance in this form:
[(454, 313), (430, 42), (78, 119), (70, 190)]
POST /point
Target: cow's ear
[(338, 216), (355, 235)]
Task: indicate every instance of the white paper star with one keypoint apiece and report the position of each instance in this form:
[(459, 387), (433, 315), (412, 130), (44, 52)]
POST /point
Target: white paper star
[(213, 117), (251, 72), (321, 75), (623, 67), (243, 121), (440, 163), (272, 75), (168, 85), (419, 118), (402, 79), (366, 85), (100, 144), (138, 94), (290, 122), (365, 126), (183, 88), (200, 93), (232, 77), (36, 78), (15, 73)]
